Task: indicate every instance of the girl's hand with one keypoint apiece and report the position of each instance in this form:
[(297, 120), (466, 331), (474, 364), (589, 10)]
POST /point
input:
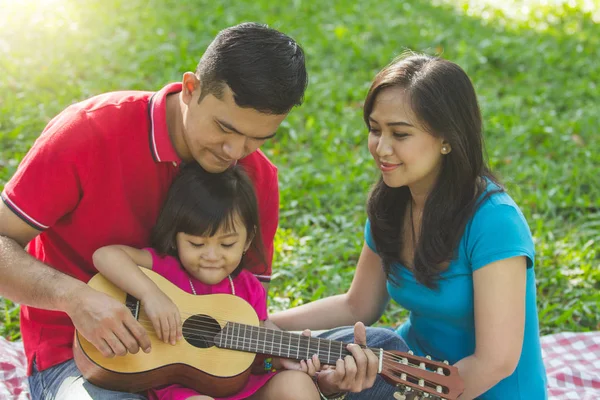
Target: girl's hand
[(164, 315), (310, 366)]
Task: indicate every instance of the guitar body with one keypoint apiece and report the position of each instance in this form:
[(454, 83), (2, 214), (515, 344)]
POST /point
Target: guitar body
[(193, 362)]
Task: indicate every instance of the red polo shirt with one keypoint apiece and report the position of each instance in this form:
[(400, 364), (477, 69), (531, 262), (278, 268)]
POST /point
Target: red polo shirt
[(98, 175)]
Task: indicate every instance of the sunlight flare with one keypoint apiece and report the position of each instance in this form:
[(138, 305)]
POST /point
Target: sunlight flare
[(534, 13)]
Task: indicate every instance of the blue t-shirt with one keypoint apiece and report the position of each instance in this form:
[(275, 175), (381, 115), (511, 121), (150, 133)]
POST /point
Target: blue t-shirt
[(441, 322)]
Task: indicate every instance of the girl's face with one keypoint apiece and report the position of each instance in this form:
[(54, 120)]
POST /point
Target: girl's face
[(405, 153), (210, 259)]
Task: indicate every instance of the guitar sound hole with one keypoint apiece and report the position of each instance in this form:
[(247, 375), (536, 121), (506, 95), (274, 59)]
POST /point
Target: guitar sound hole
[(200, 331)]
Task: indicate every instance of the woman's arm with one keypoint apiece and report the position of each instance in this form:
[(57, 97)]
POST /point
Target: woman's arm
[(499, 291), (365, 301)]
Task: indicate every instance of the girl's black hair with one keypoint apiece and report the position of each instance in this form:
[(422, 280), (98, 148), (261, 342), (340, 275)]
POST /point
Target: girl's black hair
[(199, 203)]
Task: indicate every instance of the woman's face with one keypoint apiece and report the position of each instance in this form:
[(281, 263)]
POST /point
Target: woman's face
[(404, 152)]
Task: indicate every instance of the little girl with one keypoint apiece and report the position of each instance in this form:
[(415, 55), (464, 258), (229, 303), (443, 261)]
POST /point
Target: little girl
[(205, 227)]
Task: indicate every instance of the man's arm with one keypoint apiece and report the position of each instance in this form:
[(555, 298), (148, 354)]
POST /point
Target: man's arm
[(23, 278), (105, 322)]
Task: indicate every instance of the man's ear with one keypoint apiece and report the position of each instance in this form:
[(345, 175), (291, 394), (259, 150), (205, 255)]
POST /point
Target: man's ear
[(191, 86)]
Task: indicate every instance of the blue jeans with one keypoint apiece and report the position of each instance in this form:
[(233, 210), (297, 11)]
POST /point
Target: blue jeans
[(65, 382), (383, 338)]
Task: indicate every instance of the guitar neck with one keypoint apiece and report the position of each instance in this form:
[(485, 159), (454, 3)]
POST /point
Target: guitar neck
[(271, 342)]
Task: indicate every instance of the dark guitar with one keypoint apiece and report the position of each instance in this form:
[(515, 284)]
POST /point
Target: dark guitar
[(221, 338)]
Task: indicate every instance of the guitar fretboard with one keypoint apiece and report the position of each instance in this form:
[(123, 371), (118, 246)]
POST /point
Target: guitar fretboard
[(254, 339)]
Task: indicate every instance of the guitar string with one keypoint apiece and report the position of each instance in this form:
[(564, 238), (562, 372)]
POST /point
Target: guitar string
[(241, 344), (198, 333), (393, 358), (198, 327), (390, 361), (195, 329)]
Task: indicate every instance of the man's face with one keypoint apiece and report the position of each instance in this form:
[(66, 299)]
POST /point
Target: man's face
[(217, 132)]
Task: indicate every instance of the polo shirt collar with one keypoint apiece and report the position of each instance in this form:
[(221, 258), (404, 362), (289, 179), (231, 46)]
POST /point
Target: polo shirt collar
[(161, 146)]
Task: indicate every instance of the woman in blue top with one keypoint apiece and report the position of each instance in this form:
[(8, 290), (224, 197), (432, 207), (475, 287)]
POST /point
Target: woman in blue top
[(442, 239)]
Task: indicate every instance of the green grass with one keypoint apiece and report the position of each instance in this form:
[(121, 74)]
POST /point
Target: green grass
[(537, 78)]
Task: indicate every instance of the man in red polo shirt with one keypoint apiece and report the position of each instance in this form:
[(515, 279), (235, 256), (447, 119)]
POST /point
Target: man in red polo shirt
[(98, 175)]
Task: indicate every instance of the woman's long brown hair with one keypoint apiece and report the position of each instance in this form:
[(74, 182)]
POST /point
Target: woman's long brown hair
[(444, 100)]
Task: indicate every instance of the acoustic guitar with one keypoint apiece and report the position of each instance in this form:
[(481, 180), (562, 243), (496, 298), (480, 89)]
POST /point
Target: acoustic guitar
[(221, 339)]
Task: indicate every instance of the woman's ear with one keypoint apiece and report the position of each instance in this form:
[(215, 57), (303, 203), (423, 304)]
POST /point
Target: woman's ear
[(446, 148)]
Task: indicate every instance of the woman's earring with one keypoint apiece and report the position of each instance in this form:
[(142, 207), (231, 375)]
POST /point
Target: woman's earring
[(445, 150)]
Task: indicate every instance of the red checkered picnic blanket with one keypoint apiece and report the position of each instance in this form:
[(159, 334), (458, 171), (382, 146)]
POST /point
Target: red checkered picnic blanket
[(13, 371), (572, 363)]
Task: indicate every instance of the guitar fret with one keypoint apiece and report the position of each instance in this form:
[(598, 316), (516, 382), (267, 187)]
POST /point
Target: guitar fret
[(233, 336), (319, 348), (245, 329), (241, 337), (257, 340), (280, 343), (227, 327), (254, 338), (264, 342)]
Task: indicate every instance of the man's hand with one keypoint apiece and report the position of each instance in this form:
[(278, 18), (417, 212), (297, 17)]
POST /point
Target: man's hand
[(353, 373), (107, 324)]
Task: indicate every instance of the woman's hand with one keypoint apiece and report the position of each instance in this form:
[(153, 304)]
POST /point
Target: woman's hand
[(353, 373), (164, 315)]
